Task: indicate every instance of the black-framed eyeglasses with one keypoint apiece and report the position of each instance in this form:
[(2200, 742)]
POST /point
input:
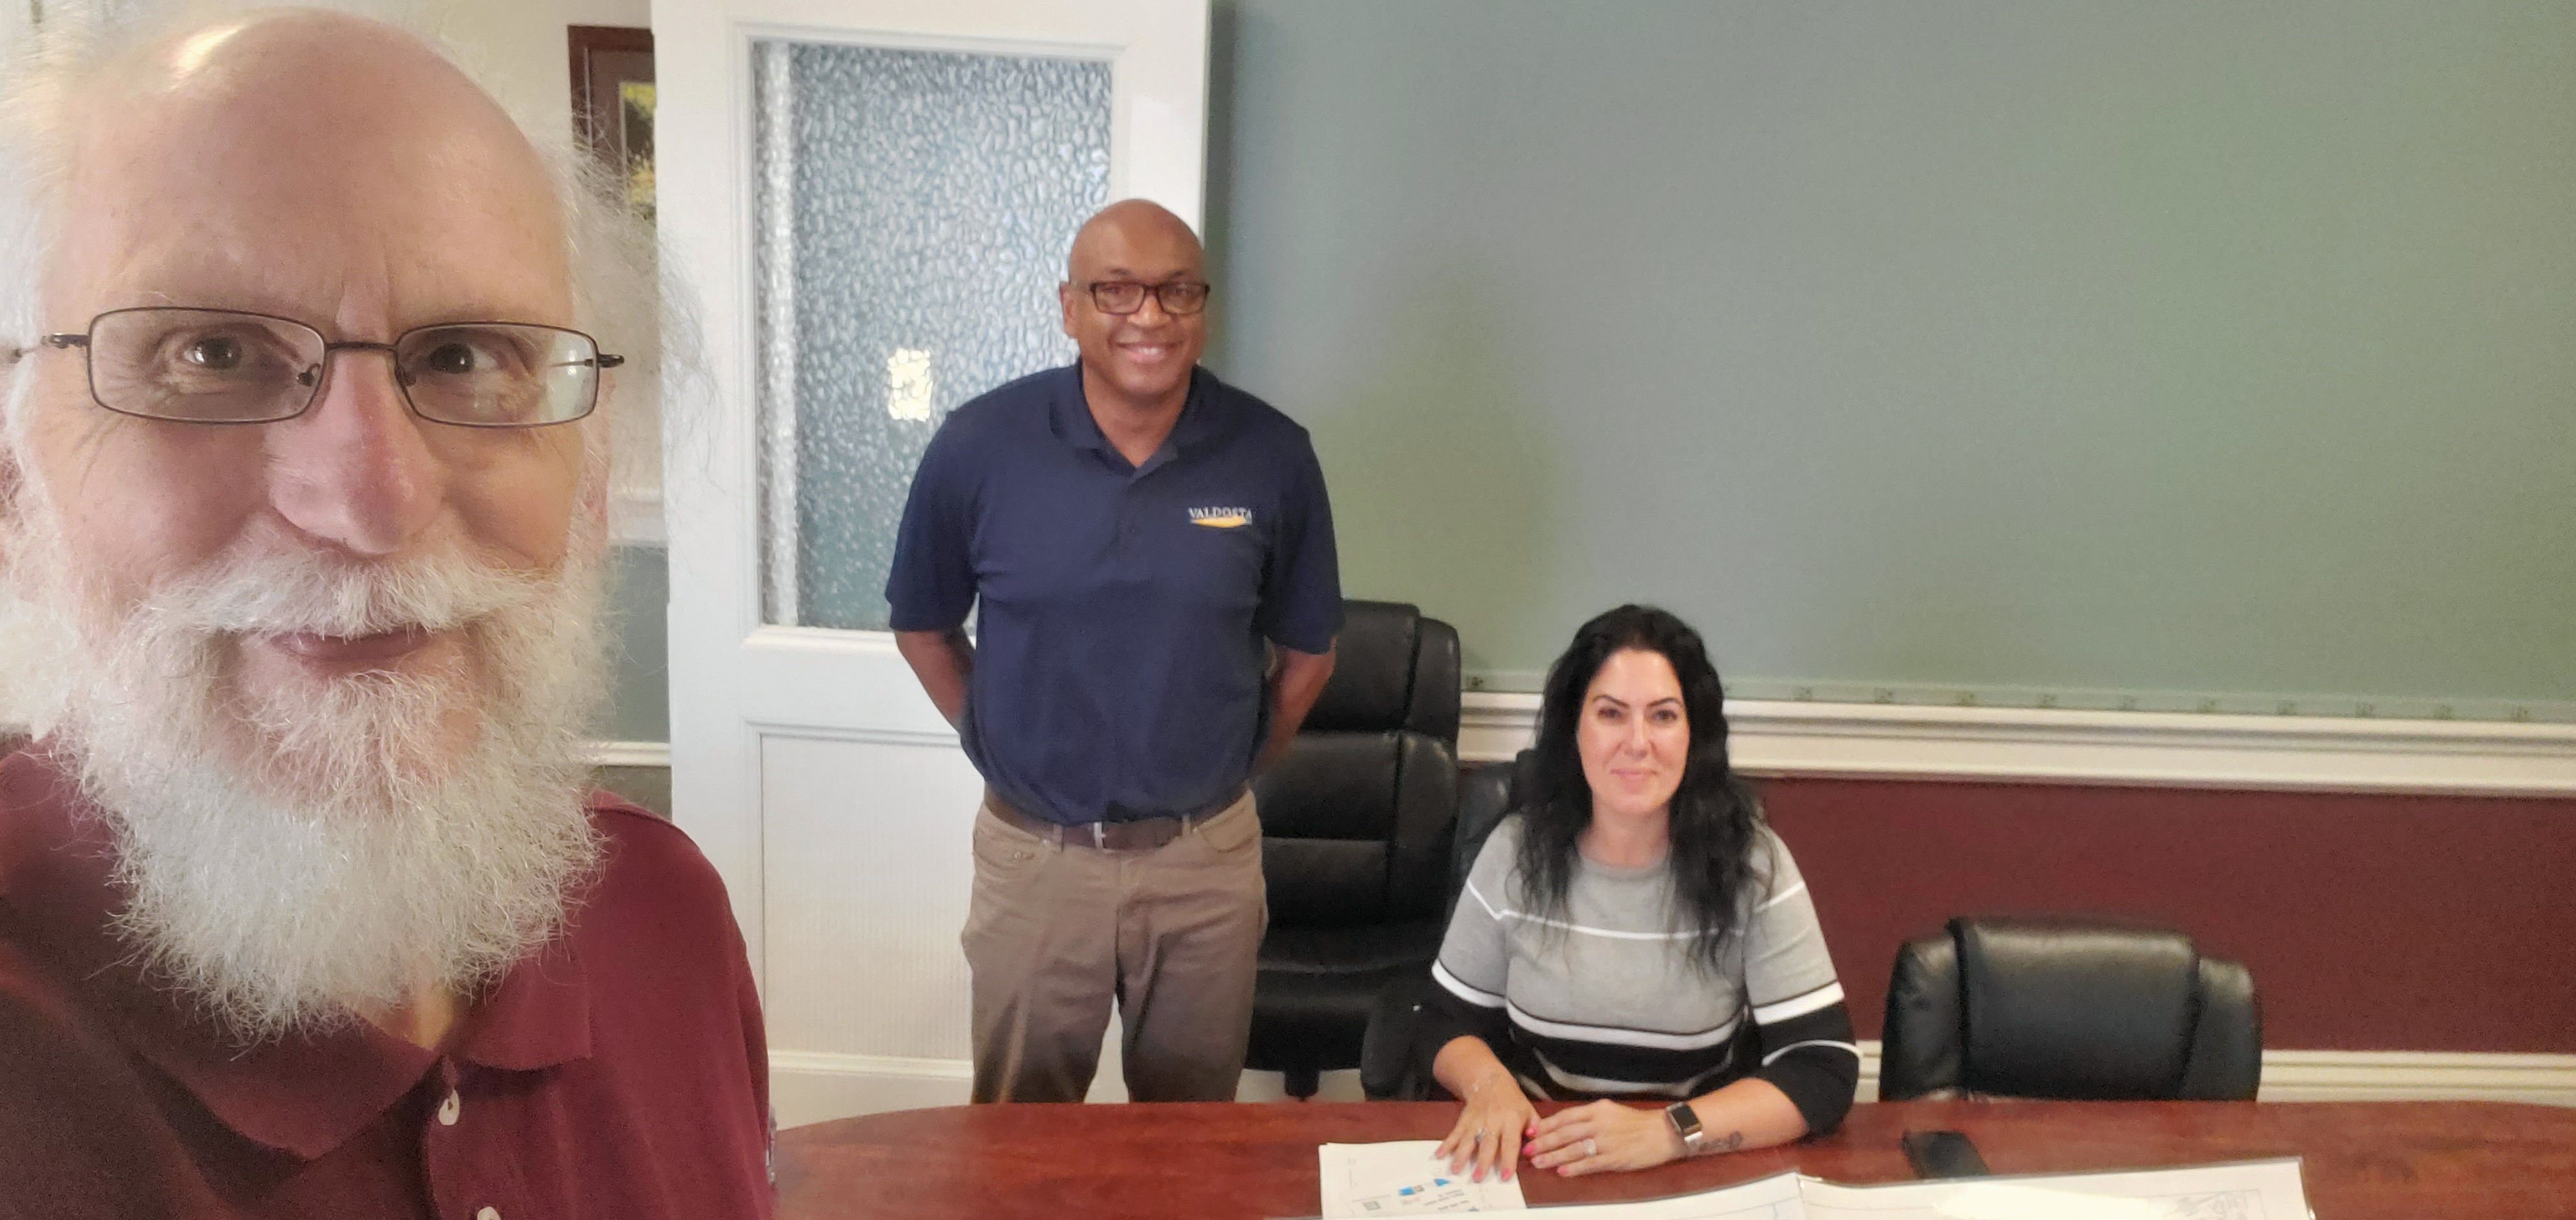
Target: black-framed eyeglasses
[(1179, 298), (224, 366)]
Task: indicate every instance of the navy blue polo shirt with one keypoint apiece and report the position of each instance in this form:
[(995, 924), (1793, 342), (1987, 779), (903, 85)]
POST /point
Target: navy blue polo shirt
[(1119, 657)]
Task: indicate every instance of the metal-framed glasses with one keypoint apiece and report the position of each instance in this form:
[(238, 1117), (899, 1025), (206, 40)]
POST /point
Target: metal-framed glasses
[(1179, 298), (223, 366)]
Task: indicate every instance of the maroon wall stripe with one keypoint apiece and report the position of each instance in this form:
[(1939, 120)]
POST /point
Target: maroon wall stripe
[(2369, 922)]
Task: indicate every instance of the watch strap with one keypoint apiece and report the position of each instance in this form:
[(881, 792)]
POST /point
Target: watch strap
[(1685, 1123)]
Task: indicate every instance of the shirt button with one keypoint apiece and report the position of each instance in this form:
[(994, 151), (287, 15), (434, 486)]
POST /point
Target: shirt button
[(448, 1110)]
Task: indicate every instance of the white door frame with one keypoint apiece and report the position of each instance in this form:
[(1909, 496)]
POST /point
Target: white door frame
[(734, 681)]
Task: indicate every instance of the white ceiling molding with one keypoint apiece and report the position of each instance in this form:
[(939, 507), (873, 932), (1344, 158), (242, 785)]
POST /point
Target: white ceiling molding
[(2161, 749)]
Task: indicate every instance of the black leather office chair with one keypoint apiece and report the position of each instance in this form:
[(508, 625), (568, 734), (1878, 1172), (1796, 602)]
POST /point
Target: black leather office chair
[(1392, 1066), (1356, 825), (2061, 1008)]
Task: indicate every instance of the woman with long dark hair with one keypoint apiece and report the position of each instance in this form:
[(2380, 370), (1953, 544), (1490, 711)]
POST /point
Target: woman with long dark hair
[(1635, 933)]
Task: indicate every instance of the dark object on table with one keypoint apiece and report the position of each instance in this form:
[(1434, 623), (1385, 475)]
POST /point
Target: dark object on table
[(1943, 1154), (1356, 838), (2068, 1009)]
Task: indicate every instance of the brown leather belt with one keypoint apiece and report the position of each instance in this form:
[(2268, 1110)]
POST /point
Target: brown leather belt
[(1140, 834)]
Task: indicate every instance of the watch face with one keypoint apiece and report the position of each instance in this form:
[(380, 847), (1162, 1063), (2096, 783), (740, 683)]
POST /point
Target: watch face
[(1684, 1119)]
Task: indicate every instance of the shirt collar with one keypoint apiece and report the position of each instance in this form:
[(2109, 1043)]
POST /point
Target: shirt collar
[(305, 1095), (537, 1017), (1204, 417), (1209, 415), (1070, 414)]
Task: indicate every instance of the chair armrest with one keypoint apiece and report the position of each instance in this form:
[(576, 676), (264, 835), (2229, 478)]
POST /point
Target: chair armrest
[(1392, 1067), (2227, 1041), (1920, 1041)]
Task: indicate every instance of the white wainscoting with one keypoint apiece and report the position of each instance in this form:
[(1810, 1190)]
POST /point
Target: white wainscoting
[(866, 870), (2047, 745), (630, 754), (811, 1088), (2417, 1076)]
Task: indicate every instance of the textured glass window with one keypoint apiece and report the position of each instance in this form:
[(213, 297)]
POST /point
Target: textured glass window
[(914, 213)]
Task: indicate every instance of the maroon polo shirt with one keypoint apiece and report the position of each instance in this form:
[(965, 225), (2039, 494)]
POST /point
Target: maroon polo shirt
[(620, 1072)]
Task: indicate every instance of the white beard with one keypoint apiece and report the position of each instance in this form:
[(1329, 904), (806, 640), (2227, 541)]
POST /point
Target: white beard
[(307, 854)]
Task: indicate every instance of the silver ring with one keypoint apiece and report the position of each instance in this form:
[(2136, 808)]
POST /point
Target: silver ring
[(1479, 1137), (1591, 1147)]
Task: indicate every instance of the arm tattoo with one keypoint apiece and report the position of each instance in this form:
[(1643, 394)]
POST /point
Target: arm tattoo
[(1732, 1141)]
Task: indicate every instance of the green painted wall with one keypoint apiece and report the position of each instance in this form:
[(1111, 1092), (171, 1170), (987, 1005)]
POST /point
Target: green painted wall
[(2003, 350), (639, 597)]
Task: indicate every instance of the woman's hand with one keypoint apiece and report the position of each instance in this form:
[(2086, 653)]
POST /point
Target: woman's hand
[(1603, 1135), (1490, 1130)]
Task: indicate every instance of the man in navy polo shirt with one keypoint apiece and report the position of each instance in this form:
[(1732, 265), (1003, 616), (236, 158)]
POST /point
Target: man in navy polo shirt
[(1152, 555)]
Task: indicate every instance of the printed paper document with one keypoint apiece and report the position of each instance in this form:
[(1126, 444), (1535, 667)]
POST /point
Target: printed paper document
[(1404, 1179), (2249, 1190)]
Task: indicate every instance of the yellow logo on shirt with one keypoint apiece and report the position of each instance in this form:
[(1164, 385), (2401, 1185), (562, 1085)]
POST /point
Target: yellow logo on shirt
[(1221, 518)]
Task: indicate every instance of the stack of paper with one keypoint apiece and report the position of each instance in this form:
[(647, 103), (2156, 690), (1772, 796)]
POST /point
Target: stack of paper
[(1401, 1179)]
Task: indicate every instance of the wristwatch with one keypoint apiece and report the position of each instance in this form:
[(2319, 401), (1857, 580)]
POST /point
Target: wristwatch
[(1686, 1125)]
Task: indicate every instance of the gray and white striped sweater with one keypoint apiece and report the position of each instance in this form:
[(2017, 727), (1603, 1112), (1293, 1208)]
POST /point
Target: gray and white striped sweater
[(1606, 1001)]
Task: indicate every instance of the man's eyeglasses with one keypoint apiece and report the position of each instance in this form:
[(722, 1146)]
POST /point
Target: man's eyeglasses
[(222, 366), (1179, 298)]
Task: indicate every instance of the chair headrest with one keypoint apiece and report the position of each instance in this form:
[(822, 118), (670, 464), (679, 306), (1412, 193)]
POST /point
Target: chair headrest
[(2069, 1008), (1379, 661)]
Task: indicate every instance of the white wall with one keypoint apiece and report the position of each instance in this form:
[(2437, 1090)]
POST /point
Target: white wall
[(519, 46)]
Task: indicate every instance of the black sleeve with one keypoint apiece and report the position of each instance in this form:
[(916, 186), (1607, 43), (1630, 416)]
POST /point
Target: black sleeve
[(1813, 1059), (1446, 1018)]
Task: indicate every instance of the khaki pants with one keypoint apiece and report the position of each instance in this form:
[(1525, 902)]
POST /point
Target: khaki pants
[(1056, 934)]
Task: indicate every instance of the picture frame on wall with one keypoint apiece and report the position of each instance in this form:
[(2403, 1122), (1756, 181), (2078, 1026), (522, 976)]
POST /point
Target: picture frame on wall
[(612, 103), (612, 116)]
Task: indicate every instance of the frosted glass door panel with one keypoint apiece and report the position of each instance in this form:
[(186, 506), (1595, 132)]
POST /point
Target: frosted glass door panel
[(914, 213)]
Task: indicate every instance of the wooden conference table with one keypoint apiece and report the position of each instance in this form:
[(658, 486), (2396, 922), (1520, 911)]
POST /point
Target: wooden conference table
[(2416, 1160)]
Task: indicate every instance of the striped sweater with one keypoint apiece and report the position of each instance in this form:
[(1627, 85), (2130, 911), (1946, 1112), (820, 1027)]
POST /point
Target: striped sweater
[(1607, 1001)]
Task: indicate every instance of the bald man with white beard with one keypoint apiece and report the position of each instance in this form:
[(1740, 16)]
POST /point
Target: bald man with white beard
[(305, 908)]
